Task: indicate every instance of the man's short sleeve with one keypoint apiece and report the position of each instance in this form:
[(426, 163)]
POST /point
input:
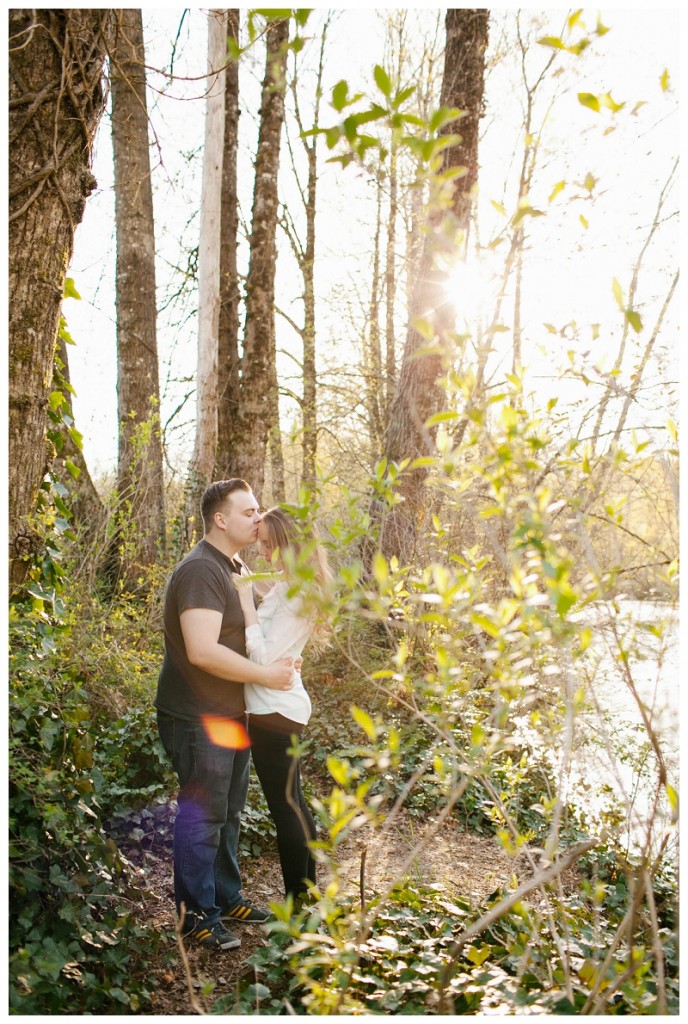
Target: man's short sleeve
[(200, 584)]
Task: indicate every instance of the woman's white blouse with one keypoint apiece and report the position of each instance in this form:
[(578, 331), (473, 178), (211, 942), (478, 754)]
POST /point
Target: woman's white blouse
[(281, 632)]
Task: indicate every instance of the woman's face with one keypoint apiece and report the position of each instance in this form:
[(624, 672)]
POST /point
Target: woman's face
[(265, 547)]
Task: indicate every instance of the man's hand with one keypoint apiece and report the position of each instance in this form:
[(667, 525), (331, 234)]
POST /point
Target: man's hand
[(279, 675)]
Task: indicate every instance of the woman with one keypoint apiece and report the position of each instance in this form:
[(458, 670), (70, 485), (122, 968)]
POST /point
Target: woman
[(280, 628)]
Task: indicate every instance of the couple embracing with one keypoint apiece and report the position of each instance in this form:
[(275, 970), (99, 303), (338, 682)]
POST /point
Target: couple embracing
[(230, 688)]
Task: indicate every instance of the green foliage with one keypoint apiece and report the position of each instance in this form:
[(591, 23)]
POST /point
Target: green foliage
[(323, 959), (74, 942)]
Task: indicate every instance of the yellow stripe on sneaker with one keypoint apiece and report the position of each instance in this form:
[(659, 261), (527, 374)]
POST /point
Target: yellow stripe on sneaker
[(203, 934), (240, 912)]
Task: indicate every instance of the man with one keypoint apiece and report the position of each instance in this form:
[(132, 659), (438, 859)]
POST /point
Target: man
[(200, 704)]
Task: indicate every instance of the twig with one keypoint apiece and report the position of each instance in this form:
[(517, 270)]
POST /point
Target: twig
[(195, 1004), (504, 905)]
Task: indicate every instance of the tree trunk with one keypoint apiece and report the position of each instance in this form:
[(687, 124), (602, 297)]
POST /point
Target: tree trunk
[(304, 253), (247, 448), (372, 348), (418, 396), (139, 472), (309, 400), (228, 334), (391, 277), (86, 505), (203, 461), (56, 99)]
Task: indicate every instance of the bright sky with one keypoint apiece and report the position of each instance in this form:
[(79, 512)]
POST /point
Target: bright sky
[(572, 265)]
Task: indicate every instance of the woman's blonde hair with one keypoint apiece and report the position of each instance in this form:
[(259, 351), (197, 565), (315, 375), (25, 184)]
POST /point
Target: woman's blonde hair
[(300, 548)]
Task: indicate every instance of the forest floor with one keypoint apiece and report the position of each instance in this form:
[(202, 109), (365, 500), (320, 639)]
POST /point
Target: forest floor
[(467, 864)]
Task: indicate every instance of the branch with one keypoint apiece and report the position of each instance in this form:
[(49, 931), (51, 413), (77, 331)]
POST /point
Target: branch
[(505, 904)]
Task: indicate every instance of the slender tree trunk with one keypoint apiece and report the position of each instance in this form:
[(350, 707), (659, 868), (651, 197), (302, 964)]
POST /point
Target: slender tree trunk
[(247, 448), (418, 396), (373, 353), (228, 335), (391, 276), (139, 472), (203, 461), (87, 507), (309, 402), (56, 98), (305, 256)]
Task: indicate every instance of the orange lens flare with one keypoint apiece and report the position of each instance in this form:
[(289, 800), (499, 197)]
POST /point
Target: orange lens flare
[(226, 732)]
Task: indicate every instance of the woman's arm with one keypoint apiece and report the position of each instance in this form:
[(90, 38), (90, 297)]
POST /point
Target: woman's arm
[(244, 589), (287, 633)]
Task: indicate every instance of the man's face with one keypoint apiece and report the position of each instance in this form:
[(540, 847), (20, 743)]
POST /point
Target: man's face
[(240, 517)]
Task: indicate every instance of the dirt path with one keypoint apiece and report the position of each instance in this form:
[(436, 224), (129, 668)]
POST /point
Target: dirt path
[(467, 864)]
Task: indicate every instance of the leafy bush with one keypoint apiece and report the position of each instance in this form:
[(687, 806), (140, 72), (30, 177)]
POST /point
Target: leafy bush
[(74, 944)]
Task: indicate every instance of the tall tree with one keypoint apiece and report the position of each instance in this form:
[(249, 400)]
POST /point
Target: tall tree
[(304, 253), (139, 473), (228, 331), (417, 395), (203, 461), (257, 405), (56, 99)]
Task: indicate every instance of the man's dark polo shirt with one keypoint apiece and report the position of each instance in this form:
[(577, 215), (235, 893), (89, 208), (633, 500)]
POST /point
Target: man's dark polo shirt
[(201, 580)]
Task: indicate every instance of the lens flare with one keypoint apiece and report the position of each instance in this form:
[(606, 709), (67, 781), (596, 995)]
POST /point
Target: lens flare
[(225, 732), (471, 291)]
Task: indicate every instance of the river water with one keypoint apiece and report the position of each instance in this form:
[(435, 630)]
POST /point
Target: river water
[(615, 765)]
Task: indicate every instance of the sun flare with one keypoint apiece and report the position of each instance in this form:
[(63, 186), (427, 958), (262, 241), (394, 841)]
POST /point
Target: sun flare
[(470, 288)]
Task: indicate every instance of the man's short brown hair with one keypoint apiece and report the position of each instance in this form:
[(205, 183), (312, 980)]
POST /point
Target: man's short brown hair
[(214, 496)]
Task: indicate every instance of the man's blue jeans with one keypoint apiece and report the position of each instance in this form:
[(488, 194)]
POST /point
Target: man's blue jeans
[(213, 784)]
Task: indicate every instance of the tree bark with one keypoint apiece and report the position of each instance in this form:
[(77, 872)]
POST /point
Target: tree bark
[(255, 419), (139, 473), (56, 99), (203, 461), (228, 333), (418, 396)]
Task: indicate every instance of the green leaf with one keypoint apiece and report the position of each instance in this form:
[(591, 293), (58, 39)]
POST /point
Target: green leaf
[(301, 15), (617, 292), (444, 116), (484, 623), (448, 416), (69, 291), (634, 320), (477, 956), (273, 13), (525, 210), (559, 187), (402, 96), (366, 723), (339, 94), (589, 100), (339, 770), (606, 100), (552, 41), (382, 81), (380, 568)]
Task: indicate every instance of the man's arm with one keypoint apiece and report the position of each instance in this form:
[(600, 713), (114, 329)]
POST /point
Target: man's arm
[(201, 632)]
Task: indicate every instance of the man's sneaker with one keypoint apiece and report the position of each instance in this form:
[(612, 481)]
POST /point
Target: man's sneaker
[(247, 914), (213, 936)]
